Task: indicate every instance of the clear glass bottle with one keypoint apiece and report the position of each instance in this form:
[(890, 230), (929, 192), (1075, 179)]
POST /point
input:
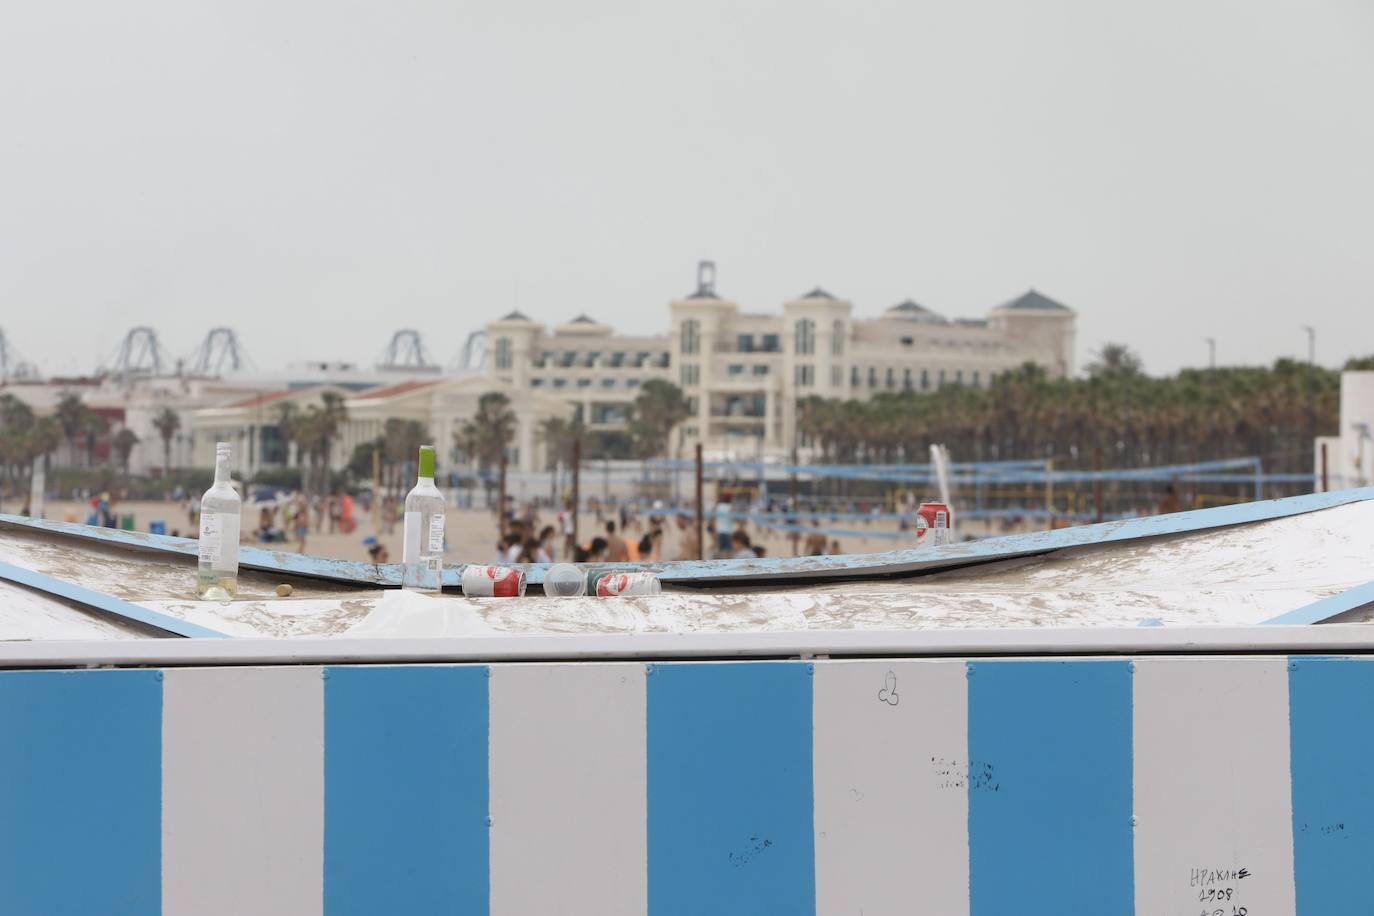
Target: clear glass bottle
[(217, 577), (422, 557)]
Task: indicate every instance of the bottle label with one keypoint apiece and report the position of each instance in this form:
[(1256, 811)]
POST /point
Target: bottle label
[(436, 533), (219, 541), (410, 550)]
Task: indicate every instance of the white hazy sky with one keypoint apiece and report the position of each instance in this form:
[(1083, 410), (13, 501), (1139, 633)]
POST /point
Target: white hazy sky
[(317, 174)]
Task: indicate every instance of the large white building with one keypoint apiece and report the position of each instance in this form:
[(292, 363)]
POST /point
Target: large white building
[(744, 372)]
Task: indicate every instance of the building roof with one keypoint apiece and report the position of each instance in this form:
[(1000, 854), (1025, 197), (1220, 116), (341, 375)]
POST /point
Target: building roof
[(392, 391), (516, 315), (913, 311), (817, 293), (1032, 300), (584, 318), (703, 293), (258, 400)]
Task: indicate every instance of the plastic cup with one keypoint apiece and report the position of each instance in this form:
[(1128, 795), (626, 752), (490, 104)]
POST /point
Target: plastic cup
[(565, 581)]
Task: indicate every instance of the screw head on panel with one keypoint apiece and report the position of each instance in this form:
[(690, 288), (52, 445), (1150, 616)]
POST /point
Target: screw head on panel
[(1134, 820)]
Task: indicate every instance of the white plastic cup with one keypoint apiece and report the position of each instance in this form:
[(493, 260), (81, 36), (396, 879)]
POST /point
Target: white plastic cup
[(565, 581)]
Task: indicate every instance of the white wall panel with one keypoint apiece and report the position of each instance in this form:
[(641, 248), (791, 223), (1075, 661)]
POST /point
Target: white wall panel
[(891, 803), (1212, 798), (242, 791), (568, 789)]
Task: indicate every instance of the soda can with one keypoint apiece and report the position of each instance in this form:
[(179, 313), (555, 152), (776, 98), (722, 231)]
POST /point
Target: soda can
[(627, 585), (934, 523), (493, 582)]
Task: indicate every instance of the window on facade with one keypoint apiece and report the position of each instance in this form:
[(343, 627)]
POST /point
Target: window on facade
[(854, 377), (744, 343), (691, 336), (536, 383), (925, 379), (692, 406), (632, 383), (735, 369), (959, 376), (837, 339), (891, 377), (976, 381), (836, 376), (906, 341), (691, 374), (560, 383), (906, 379), (806, 336), (584, 383), (942, 378), (771, 344), (760, 369), (608, 383), (617, 359), (806, 376), (503, 353), (872, 377)]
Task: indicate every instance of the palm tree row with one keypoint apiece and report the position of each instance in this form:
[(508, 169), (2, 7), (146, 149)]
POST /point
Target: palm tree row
[(312, 431), (1116, 415)]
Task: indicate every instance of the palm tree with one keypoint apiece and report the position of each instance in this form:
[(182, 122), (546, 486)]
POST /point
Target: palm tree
[(93, 426), (71, 415), (124, 442), (489, 433), (657, 409), (558, 436), (167, 422)]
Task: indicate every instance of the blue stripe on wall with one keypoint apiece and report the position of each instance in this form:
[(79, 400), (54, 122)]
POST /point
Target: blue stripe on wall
[(1331, 709), (80, 792), (405, 790), (730, 801), (1049, 788)]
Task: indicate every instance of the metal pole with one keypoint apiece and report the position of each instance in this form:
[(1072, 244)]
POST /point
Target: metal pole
[(1325, 486), (376, 489), (1211, 351), (1049, 494), (576, 485), (1097, 481), (701, 543), (501, 496)]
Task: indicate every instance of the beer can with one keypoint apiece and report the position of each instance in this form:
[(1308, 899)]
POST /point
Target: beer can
[(934, 523), (493, 582), (619, 584)]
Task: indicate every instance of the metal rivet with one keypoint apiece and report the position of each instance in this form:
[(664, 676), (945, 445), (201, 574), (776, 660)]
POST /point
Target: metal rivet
[(1292, 666), (489, 820), (1131, 667), (648, 669), (810, 669), (1134, 820), (488, 670), (968, 672), (324, 673), (158, 675)]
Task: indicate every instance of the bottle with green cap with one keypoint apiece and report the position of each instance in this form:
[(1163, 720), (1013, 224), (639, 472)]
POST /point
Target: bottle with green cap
[(422, 557)]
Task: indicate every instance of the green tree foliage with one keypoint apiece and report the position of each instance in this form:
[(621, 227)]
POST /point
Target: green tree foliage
[(489, 433), (657, 409), (167, 422), (1131, 419), (124, 442)]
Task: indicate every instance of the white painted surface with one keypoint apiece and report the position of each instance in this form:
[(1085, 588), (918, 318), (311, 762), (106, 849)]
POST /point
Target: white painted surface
[(242, 791), (1212, 788), (568, 790), (891, 807)]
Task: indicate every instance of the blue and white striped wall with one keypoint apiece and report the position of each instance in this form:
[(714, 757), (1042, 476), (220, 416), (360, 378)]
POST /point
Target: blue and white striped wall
[(1224, 785)]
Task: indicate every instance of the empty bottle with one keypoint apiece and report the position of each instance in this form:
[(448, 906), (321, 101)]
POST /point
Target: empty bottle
[(217, 576), (422, 557)]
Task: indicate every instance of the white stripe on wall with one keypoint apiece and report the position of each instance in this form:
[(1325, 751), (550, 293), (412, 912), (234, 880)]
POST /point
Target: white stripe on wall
[(242, 791), (1212, 793), (568, 789), (890, 787)]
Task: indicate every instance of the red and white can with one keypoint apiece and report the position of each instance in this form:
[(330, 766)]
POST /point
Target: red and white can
[(934, 523), (493, 582), (613, 585)]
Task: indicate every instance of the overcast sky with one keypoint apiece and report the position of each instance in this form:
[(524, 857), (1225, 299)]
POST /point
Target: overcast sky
[(317, 174)]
